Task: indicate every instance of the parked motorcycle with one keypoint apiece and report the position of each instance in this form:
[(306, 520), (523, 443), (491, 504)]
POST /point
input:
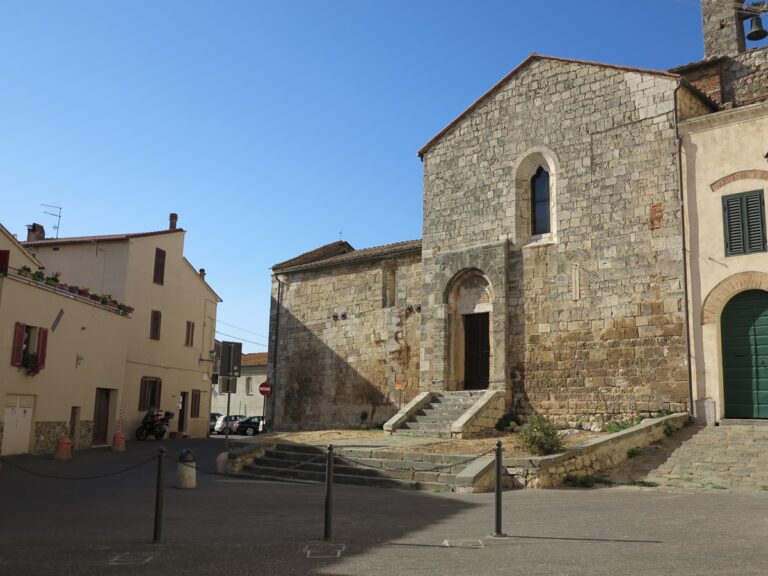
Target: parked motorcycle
[(154, 424)]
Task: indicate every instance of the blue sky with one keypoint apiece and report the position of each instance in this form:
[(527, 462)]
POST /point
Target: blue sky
[(270, 127)]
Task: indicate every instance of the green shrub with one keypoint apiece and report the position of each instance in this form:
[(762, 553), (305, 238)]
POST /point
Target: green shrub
[(634, 452), (504, 421), (645, 483), (617, 426), (586, 481), (661, 413), (539, 436), (669, 429)]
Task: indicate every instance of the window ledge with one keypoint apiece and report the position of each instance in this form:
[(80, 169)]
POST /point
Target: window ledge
[(540, 240)]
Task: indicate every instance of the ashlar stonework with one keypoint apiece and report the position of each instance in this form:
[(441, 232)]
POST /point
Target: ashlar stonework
[(584, 319)]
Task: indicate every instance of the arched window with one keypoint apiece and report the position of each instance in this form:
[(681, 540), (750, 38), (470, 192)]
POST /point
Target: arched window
[(540, 202)]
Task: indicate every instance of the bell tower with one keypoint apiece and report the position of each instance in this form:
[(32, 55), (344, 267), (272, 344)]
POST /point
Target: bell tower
[(723, 28)]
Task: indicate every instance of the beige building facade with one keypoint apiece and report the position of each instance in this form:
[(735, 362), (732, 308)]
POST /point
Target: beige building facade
[(247, 400), (64, 359), (725, 171), (170, 340)]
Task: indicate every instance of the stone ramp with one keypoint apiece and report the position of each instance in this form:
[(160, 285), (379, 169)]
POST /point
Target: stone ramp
[(435, 418), (368, 466), (727, 457)]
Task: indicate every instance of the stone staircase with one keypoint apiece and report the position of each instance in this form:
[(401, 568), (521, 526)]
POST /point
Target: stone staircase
[(732, 456), (436, 417), (379, 467)]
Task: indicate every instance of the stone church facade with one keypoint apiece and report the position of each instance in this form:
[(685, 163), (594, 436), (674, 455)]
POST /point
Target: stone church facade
[(552, 267)]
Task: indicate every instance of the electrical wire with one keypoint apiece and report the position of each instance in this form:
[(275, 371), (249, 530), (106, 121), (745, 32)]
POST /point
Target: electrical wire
[(241, 329), (239, 339)]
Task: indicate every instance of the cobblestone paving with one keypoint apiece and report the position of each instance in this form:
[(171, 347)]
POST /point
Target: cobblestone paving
[(732, 457)]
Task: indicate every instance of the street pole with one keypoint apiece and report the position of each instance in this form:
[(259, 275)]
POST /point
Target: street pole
[(159, 489), (498, 533), (328, 493)]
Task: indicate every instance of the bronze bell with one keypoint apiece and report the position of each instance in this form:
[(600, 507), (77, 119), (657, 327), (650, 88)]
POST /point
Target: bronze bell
[(756, 30)]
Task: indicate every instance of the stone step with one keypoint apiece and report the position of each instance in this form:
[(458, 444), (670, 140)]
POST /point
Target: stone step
[(398, 470), (429, 426), (425, 433), (269, 473)]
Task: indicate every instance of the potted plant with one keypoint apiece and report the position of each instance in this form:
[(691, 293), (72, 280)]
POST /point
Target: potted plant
[(29, 361), (38, 276), (25, 271), (83, 290), (73, 290), (105, 298), (53, 279), (95, 298)]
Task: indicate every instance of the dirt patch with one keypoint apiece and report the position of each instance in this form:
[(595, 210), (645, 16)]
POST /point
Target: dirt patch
[(428, 445)]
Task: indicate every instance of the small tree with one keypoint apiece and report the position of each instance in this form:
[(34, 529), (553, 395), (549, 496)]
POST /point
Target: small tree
[(539, 436)]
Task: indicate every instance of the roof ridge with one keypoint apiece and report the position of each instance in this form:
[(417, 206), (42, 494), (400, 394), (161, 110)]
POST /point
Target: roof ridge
[(531, 57)]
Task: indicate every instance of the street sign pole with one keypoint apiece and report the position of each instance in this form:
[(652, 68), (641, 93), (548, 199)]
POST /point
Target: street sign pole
[(226, 419)]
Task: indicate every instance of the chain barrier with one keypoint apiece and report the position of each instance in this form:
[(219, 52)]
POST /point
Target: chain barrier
[(91, 477), (346, 459)]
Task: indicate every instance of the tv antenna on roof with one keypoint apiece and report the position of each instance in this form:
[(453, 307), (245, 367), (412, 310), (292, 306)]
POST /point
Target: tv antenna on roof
[(57, 214)]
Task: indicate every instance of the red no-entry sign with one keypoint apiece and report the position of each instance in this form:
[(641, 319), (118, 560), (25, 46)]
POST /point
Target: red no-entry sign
[(265, 388)]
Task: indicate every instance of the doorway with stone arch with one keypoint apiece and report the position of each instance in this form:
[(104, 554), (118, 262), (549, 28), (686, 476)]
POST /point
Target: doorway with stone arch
[(744, 344), (470, 311)]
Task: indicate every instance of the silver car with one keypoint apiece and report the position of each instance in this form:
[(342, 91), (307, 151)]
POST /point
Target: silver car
[(225, 422)]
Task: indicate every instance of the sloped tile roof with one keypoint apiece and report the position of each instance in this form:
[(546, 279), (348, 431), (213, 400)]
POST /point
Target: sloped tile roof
[(375, 252), (103, 238), (255, 359), (321, 253)]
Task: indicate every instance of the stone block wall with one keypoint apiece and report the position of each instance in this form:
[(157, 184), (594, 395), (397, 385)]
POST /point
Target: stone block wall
[(46, 435), (346, 349), (745, 77), (593, 314), (591, 457)]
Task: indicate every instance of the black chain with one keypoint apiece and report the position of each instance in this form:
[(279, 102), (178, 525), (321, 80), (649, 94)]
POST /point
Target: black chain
[(433, 469), (92, 477)]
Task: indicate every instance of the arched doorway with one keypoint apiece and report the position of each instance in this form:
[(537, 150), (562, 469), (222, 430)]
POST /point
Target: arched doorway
[(470, 305), (744, 335)]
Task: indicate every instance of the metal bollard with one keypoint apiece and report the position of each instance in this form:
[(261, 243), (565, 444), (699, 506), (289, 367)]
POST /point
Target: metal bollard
[(328, 493), (159, 497), (498, 533), (186, 473)]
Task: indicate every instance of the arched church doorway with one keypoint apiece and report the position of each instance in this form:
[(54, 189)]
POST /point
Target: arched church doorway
[(744, 336), (470, 305)]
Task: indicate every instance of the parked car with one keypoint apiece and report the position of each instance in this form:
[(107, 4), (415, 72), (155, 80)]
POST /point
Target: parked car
[(249, 426), (214, 417), (225, 422)]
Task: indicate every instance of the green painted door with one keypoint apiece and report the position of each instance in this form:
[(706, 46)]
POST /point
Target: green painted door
[(744, 328)]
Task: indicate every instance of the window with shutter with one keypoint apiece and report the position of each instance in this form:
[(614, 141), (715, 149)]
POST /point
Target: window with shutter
[(744, 223), (19, 336), (42, 347), (159, 275), (154, 327)]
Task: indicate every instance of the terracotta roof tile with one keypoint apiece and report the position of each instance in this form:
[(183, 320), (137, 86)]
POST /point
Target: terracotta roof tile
[(255, 359), (409, 246), (104, 238), (325, 251)]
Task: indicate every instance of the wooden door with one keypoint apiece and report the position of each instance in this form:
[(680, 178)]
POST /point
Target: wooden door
[(101, 416), (477, 351), (744, 330)]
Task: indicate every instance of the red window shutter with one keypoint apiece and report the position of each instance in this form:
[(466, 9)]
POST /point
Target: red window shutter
[(18, 344), (4, 260), (42, 347)]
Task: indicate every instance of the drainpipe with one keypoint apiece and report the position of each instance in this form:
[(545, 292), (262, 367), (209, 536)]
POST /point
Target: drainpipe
[(273, 395), (679, 167)]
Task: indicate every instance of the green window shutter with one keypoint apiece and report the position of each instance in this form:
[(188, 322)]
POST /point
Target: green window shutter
[(733, 225), (744, 223), (755, 221)]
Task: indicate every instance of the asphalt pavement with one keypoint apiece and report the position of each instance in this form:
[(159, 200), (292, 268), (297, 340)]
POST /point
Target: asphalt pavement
[(100, 521)]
